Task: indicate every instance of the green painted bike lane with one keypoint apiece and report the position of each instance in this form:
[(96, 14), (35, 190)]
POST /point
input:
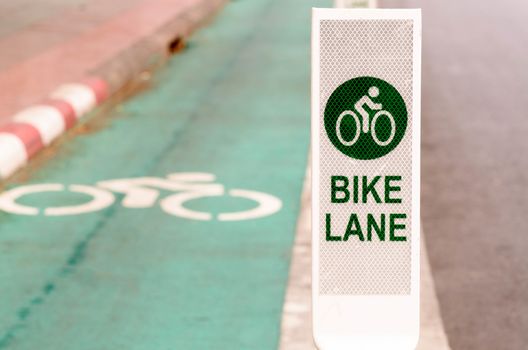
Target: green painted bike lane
[(234, 104)]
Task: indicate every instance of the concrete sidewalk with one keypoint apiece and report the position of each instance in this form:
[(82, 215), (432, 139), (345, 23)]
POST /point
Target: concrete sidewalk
[(86, 52), (45, 45)]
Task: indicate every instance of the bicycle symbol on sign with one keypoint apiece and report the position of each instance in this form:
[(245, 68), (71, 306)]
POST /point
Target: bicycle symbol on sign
[(144, 192), (368, 126)]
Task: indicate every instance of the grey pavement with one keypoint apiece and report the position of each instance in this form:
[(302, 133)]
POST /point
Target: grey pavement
[(474, 167)]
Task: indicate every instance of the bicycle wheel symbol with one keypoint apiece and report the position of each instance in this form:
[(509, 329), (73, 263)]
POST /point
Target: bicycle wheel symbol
[(392, 128), (100, 199), (371, 128), (266, 205)]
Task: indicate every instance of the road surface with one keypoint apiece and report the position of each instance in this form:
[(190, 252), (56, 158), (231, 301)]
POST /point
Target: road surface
[(474, 167)]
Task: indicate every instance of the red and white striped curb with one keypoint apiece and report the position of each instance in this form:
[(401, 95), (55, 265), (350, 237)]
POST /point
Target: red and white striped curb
[(37, 126)]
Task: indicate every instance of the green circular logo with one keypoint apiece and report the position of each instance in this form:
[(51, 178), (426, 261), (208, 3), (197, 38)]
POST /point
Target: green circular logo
[(365, 118)]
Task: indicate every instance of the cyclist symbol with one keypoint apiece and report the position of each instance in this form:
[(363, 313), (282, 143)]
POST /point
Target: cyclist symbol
[(348, 120), (367, 125), (143, 193)]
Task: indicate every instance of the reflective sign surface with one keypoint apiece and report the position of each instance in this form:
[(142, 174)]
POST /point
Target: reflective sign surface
[(366, 173)]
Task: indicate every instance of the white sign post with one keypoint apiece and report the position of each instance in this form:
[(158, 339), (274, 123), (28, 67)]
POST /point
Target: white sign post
[(355, 3), (366, 178)]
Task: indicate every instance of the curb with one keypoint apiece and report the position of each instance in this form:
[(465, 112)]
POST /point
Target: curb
[(35, 127)]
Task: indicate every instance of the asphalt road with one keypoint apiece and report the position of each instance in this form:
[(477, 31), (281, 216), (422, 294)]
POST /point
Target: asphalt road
[(474, 164)]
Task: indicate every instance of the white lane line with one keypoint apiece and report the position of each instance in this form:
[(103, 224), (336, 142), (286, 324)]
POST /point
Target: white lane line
[(296, 327), (47, 120), (12, 154)]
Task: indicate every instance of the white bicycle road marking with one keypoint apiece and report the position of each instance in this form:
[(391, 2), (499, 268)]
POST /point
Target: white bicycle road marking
[(144, 192)]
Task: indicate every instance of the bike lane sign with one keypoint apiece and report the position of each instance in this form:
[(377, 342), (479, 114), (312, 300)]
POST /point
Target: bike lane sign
[(366, 177)]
